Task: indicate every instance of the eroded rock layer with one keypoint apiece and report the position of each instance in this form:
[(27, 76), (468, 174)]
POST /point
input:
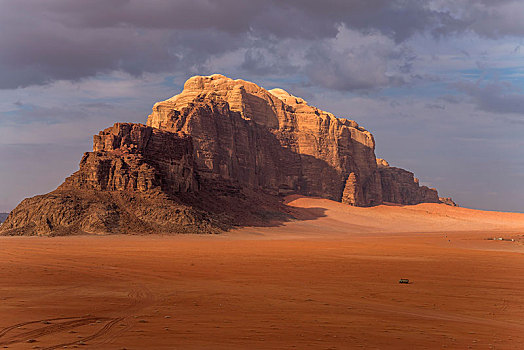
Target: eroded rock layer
[(221, 153)]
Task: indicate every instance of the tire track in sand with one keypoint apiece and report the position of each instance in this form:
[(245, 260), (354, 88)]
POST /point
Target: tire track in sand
[(47, 330), (139, 297)]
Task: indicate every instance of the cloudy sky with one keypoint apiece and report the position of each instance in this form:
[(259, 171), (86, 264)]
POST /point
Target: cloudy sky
[(440, 83)]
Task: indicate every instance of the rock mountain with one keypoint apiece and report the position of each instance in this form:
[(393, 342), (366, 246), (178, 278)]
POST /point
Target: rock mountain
[(221, 153)]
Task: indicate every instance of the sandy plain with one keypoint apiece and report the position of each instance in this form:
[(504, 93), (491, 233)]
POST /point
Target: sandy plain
[(326, 281)]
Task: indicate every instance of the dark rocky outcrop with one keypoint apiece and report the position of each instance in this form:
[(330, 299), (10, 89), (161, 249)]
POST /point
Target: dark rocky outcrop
[(448, 201), (221, 153)]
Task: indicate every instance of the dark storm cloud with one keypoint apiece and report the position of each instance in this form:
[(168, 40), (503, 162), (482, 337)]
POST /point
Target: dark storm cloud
[(50, 40), (398, 19), (490, 18), (46, 41), (291, 18), (43, 41)]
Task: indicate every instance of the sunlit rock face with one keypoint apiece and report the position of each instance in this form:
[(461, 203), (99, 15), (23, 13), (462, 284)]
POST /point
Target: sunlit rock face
[(271, 140), (219, 154)]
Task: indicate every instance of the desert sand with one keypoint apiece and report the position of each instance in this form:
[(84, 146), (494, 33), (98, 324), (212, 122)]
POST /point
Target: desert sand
[(328, 280)]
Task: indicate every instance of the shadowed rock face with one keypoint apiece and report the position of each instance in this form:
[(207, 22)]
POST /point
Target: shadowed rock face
[(400, 186), (220, 153)]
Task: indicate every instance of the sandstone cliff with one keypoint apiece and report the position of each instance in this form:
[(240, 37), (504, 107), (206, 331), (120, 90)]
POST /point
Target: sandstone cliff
[(221, 153), (402, 187), (271, 140)]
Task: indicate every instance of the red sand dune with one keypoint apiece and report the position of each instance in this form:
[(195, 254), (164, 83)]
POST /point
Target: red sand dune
[(327, 281)]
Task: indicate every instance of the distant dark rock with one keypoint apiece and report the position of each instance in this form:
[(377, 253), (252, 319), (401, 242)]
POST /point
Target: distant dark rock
[(448, 201)]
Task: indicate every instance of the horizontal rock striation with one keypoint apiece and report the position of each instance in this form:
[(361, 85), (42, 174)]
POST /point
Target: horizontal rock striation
[(219, 154)]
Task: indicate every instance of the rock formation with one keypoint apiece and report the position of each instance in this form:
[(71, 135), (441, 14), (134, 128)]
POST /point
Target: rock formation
[(270, 140), (402, 187), (3, 216), (448, 200), (220, 153)]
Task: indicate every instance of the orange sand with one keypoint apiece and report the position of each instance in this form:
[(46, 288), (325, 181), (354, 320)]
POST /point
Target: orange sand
[(327, 281)]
